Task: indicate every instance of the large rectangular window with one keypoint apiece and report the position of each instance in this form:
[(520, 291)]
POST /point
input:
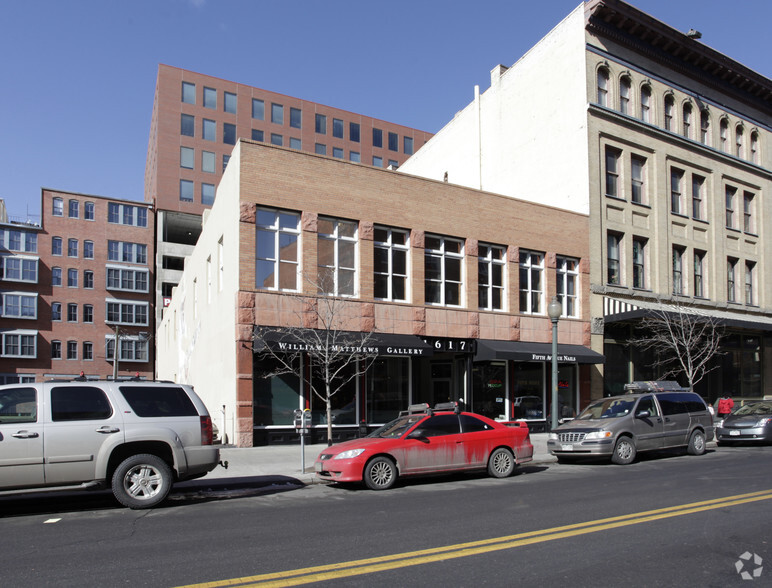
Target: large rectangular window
[(186, 191), (19, 305), (126, 214), (207, 194), (19, 269), (229, 133), (678, 273), (613, 259), (639, 263), (391, 247), (210, 98), (699, 274), (337, 256), (377, 137), (132, 349), (443, 271), (731, 288), (730, 197), (321, 124), (125, 312), (750, 268), (698, 187), (126, 252), (230, 102), (612, 172), (258, 109), (337, 128), (567, 274), (748, 213), (277, 114), (187, 125), (491, 272), (353, 132), (296, 118), (676, 191), (129, 280), (277, 255), (188, 93), (531, 282), (19, 344), (209, 130), (393, 142), (638, 179), (407, 143)]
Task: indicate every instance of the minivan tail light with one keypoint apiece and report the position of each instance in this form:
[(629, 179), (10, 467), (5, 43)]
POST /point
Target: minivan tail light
[(206, 430)]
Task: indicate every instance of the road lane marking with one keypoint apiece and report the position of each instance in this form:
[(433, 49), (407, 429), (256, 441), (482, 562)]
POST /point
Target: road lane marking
[(389, 562)]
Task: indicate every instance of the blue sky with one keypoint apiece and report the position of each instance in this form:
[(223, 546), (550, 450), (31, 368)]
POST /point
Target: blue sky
[(79, 75)]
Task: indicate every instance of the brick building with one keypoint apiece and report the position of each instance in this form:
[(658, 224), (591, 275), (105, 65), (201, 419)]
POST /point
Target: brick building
[(435, 271), (197, 120), (74, 282)]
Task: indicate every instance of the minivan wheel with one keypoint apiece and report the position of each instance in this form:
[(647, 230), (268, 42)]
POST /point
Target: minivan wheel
[(142, 481), (696, 443), (380, 473), (624, 451), (501, 463)]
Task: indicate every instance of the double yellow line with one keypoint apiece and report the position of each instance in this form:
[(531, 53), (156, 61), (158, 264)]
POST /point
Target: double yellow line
[(424, 556)]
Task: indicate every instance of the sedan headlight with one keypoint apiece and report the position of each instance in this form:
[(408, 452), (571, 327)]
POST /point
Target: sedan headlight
[(598, 435), (349, 454), (719, 423), (764, 422)]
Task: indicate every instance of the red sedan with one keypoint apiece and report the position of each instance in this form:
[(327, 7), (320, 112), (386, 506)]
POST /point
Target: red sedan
[(424, 440)]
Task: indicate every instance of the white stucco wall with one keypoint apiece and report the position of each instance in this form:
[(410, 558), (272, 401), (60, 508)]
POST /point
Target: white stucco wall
[(526, 137), (199, 312)]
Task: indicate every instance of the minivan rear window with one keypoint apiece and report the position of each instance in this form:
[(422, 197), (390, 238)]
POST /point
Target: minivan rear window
[(158, 401)]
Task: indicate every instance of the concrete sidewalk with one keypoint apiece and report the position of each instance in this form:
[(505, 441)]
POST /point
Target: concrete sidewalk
[(286, 460)]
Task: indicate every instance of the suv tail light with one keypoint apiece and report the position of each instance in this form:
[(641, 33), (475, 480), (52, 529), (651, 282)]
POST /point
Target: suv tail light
[(206, 430)]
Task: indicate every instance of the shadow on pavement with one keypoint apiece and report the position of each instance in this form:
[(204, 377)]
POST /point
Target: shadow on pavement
[(182, 494)]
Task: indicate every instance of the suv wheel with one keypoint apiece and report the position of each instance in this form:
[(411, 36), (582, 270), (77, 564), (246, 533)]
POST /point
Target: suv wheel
[(696, 443), (501, 463), (624, 451), (142, 481)]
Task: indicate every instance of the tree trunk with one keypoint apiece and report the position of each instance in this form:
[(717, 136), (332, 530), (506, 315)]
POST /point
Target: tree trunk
[(328, 403)]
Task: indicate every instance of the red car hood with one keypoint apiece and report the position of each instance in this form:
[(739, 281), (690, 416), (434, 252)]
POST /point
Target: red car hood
[(363, 443)]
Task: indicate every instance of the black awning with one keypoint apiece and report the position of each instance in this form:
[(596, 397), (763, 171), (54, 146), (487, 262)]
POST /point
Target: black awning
[(488, 349), (390, 344)]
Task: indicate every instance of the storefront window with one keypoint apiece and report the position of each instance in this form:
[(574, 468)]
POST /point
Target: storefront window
[(528, 391), (343, 402), (489, 392), (566, 391), (388, 389), (274, 398)]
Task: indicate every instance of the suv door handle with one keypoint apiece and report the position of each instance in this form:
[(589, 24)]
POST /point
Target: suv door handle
[(106, 429), (25, 435)]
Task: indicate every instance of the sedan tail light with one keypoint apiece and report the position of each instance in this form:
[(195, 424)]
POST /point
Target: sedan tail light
[(207, 436)]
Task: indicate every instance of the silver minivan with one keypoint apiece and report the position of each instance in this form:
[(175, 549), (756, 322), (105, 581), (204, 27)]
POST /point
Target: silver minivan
[(621, 426)]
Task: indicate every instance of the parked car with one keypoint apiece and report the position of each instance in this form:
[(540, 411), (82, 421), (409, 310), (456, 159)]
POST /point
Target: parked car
[(424, 440), (135, 437), (619, 427), (750, 423)]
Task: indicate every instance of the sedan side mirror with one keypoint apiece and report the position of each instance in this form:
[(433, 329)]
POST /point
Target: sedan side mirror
[(643, 414)]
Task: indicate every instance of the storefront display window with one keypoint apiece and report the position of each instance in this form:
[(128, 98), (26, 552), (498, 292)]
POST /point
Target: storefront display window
[(388, 389), (489, 391), (528, 391), (343, 402), (275, 398)]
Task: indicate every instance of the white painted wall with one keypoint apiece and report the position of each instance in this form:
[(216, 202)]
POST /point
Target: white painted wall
[(197, 336), (526, 136)]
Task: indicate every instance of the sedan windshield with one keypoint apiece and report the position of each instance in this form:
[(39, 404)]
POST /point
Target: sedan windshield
[(396, 427), (608, 408), (754, 408)]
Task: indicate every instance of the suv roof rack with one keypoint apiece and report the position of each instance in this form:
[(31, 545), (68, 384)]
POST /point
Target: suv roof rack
[(655, 386)]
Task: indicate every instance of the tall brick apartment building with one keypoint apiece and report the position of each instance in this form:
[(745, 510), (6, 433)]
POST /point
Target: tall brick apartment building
[(197, 120), (439, 273), (74, 283)]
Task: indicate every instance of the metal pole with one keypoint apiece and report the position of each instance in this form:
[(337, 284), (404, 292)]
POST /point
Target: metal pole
[(302, 451), (115, 353), (554, 374)]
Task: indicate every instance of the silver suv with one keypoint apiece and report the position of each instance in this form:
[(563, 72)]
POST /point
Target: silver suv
[(136, 437), (621, 426)]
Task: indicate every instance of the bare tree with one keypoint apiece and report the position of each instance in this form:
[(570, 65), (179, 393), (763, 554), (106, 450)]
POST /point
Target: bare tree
[(682, 339), (322, 343)]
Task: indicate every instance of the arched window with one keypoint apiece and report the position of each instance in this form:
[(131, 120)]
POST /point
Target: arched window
[(603, 86), (739, 140), (754, 147), (723, 135), (705, 127), (687, 120), (646, 103), (624, 95), (669, 108)]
